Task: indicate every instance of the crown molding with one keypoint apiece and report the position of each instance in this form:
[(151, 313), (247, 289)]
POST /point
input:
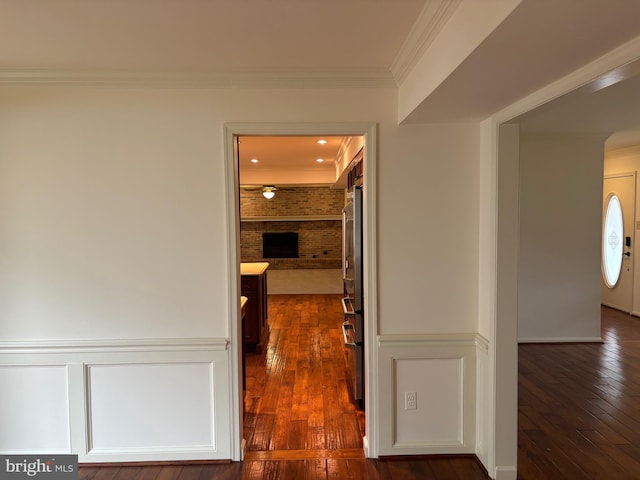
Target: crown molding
[(266, 78), (626, 151), (432, 18)]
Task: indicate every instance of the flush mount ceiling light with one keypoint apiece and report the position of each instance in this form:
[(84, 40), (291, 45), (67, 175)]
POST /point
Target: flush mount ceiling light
[(322, 141), (268, 192), (254, 160), (319, 160)]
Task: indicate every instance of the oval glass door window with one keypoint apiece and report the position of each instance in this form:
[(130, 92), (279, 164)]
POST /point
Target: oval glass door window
[(612, 236)]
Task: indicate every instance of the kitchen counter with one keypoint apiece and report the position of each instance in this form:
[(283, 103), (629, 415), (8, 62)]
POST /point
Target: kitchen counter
[(243, 303), (253, 268)]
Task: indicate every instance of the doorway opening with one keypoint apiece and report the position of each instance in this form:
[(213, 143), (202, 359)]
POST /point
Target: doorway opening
[(518, 274), (293, 387), (618, 240)]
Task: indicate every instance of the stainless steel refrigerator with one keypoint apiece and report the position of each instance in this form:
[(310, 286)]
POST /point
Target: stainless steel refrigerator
[(353, 301)]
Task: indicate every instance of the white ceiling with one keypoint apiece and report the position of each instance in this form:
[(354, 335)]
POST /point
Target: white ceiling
[(278, 155), (203, 36), (608, 105), (256, 38), (540, 41)]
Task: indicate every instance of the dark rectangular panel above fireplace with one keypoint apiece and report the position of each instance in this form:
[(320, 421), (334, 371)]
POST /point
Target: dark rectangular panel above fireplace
[(280, 245)]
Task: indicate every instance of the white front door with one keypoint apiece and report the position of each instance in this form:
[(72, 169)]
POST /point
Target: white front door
[(618, 215)]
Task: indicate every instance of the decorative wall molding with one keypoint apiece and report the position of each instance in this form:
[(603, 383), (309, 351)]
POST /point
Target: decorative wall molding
[(106, 380), (482, 343), (35, 408), (444, 339), (176, 399), (433, 17), (265, 78), (631, 151), (112, 345), (446, 422)]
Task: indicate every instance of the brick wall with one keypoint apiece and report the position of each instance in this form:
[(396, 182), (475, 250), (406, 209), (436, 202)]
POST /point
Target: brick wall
[(319, 241)]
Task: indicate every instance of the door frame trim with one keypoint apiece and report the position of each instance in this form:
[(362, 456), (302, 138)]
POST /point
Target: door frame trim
[(612, 176), (369, 132)]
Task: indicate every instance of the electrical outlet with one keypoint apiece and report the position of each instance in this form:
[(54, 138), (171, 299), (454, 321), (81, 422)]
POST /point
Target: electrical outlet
[(410, 400)]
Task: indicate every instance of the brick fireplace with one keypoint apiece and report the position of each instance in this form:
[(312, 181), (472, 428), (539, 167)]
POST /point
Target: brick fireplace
[(311, 212)]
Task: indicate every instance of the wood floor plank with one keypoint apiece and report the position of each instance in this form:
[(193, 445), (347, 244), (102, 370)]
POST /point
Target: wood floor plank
[(297, 435), (87, 473), (106, 473), (315, 469), (356, 453), (190, 472), (169, 472), (336, 469), (232, 471), (150, 473)]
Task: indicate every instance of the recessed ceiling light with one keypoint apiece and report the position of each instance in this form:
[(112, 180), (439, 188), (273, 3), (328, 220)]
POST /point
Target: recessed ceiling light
[(322, 141), (254, 160), (319, 160)]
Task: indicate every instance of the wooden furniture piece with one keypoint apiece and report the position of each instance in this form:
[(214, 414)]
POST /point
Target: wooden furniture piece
[(253, 285)]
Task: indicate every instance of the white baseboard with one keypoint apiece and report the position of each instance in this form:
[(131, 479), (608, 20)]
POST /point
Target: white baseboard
[(506, 473), (615, 307), (560, 340)]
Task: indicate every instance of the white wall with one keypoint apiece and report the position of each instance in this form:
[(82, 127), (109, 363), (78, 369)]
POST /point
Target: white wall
[(560, 234), (627, 160), (428, 231), (113, 227), (109, 222)]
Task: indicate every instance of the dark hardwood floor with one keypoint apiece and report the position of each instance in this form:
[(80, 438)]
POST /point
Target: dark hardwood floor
[(579, 410), (579, 406), (316, 469)]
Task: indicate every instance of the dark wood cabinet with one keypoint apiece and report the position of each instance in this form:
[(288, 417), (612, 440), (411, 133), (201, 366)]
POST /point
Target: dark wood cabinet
[(243, 311), (255, 325)]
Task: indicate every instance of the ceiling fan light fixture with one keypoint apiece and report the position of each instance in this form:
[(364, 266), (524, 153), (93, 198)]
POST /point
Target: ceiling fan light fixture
[(268, 192)]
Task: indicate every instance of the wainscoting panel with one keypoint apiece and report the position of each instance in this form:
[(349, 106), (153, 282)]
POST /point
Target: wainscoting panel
[(117, 400), (437, 418), (441, 371), (136, 407), (27, 422)]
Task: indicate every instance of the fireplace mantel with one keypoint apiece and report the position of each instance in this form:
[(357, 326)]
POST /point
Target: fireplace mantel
[(297, 218)]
